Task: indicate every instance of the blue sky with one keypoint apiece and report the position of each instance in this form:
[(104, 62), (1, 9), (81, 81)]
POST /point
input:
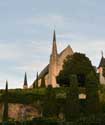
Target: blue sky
[(26, 29)]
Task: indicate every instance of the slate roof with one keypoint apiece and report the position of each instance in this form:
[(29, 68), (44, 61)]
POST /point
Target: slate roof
[(44, 72), (102, 62)]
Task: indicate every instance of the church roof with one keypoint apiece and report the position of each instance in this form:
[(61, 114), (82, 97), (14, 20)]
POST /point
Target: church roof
[(102, 62), (44, 72), (68, 47)]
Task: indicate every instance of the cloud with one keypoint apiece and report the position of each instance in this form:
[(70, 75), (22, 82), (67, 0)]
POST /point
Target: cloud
[(46, 20)]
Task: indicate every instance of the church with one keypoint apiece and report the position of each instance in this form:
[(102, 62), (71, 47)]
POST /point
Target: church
[(56, 61), (55, 65)]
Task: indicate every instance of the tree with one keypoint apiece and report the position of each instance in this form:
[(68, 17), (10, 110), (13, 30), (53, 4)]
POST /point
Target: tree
[(77, 64), (72, 101), (49, 105), (43, 82), (92, 84), (35, 84), (37, 80), (5, 112)]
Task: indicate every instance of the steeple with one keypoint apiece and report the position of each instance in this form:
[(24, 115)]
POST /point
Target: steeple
[(54, 47), (54, 36), (25, 81), (53, 63), (102, 62), (102, 54)]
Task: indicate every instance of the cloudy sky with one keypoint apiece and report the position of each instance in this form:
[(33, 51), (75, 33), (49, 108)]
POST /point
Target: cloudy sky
[(26, 29)]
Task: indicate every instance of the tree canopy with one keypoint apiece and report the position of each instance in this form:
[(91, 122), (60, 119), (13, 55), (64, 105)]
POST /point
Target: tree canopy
[(77, 64)]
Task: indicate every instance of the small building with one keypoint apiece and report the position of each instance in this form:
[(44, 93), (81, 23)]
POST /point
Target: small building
[(101, 68)]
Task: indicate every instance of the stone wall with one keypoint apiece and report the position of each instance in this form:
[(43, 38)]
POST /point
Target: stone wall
[(20, 111)]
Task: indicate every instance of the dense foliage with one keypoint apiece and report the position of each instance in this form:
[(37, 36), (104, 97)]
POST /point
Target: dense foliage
[(77, 64)]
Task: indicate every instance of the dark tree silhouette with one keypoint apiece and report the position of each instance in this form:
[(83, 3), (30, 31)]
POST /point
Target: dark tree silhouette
[(5, 112)]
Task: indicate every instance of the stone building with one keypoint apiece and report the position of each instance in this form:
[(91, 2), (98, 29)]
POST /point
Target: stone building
[(100, 70), (55, 64)]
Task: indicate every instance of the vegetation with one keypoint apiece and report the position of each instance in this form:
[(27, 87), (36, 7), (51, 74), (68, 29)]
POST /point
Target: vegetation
[(43, 82), (77, 64), (72, 101), (5, 101), (79, 77)]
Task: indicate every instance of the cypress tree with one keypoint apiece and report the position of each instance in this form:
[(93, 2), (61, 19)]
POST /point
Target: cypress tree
[(5, 111), (36, 83), (43, 82)]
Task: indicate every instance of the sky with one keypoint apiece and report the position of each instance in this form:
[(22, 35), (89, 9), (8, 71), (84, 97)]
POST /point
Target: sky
[(26, 31)]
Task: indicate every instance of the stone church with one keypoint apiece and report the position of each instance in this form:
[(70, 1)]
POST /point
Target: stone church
[(56, 61)]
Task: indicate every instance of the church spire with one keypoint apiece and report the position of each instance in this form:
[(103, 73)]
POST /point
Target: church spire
[(54, 36), (102, 54), (25, 81), (54, 48)]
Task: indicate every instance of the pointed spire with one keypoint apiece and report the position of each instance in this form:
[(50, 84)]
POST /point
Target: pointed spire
[(54, 36), (102, 53), (102, 62), (25, 79), (54, 48)]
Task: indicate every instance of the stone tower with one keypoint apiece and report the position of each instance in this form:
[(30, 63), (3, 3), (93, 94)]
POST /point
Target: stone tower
[(53, 63), (25, 86)]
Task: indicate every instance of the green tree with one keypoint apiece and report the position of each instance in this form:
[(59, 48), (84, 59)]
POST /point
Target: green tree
[(72, 101), (49, 106), (92, 87), (35, 84), (77, 64), (5, 111)]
